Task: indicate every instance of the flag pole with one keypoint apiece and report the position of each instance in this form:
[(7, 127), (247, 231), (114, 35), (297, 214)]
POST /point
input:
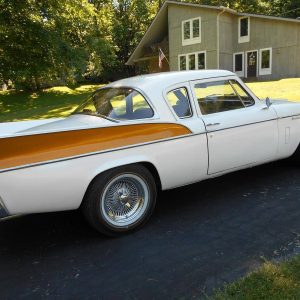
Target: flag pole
[(161, 57)]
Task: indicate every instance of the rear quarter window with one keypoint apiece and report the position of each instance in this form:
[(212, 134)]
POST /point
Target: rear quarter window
[(180, 102)]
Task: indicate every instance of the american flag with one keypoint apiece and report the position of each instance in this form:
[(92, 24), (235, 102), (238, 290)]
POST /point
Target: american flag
[(161, 57)]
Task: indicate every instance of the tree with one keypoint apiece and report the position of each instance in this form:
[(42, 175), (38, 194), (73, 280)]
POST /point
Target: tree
[(131, 20), (287, 8), (47, 41), (44, 40)]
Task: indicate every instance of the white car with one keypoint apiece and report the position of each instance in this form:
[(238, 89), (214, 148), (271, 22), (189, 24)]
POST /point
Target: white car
[(136, 136)]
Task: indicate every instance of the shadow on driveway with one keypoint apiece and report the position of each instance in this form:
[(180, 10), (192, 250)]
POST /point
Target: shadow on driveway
[(199, 238)]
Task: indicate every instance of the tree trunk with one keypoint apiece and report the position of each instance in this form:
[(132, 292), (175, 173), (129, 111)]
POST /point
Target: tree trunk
[(37, 83)]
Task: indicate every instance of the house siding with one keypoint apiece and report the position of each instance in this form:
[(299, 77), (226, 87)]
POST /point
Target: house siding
[(208, 34), (281, 36), (226, 24)]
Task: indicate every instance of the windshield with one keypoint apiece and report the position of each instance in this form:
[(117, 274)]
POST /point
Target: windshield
[(116, 104)]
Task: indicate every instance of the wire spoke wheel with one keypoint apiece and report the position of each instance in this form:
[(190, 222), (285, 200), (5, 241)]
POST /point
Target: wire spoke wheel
[(124, 200), (120, 200)]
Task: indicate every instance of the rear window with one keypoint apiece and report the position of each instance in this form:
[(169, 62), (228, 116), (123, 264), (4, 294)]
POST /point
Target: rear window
[(118, 104)]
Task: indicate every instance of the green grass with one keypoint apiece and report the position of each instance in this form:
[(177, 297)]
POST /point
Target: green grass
[(283, 89), (61, 101), (48, 103), (272, 281)]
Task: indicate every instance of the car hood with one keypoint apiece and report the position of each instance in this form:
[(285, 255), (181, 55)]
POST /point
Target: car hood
[(73, 122), (280, 101)]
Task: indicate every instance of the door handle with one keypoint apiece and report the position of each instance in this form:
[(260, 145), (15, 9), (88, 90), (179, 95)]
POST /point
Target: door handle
[(213, 124)]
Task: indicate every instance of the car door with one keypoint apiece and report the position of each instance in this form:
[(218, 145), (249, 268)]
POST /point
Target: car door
[(241, 130)]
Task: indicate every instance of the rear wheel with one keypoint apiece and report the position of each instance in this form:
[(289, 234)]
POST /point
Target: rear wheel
[(120, 200)]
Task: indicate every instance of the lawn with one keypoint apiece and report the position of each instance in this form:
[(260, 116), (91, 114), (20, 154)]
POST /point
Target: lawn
[(48, 103), (61, 101), (284, 89), (271, 281)]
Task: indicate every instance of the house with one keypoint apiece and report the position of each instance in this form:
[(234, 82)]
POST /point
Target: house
[(194, 37)]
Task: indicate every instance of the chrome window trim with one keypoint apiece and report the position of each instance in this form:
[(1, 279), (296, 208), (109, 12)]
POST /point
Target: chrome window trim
[(171, 107), (147, 99), (213, 79), (239, 98), (242, 88)]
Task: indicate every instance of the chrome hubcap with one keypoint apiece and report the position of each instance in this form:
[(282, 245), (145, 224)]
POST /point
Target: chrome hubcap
[(124, 200)]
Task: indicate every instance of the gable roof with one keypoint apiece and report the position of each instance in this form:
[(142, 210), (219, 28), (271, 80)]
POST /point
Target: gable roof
[(159, 25)]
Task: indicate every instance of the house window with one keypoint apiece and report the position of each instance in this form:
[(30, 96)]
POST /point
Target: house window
[(196, 28), (201, 61), (265, 61), (244, 30), (186, 31), (238, 64), (192, 61), (182, 62), (191, 31)]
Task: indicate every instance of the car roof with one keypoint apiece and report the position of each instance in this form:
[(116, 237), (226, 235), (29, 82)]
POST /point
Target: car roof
[(163, 80)]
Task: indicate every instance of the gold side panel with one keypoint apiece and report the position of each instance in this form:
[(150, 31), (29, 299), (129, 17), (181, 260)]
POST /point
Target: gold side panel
[(38, 148)]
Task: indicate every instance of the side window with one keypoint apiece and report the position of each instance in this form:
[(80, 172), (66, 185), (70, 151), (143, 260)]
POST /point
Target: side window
[(244, 96), (218, 96), (180, 102)]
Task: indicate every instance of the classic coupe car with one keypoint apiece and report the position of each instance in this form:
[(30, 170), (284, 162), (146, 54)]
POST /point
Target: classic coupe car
[(136, 136)]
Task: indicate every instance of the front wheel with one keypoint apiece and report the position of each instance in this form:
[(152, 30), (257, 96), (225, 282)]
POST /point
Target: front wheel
[(120, 200)]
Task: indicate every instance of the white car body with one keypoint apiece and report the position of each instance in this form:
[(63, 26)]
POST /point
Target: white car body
[(218, 143)]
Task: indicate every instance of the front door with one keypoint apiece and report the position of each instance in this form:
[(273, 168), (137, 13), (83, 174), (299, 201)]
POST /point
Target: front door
[(252, 64), (240, 131)]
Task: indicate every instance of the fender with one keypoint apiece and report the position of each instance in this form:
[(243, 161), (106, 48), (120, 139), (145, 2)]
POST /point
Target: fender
[(133, 159)]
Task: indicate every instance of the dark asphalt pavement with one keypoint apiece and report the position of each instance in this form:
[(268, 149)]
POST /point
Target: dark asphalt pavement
[(199, 238)]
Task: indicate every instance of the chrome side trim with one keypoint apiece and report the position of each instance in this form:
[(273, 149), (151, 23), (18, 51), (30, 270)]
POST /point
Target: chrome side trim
[(134, 146), (3, 211), (238, 126), (126, 123), (97, 152)]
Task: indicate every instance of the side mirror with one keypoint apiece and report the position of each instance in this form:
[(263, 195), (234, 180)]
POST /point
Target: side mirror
[(268, 102)]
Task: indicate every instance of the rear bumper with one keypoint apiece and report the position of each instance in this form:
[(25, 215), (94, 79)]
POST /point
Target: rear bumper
[(3, 211)]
